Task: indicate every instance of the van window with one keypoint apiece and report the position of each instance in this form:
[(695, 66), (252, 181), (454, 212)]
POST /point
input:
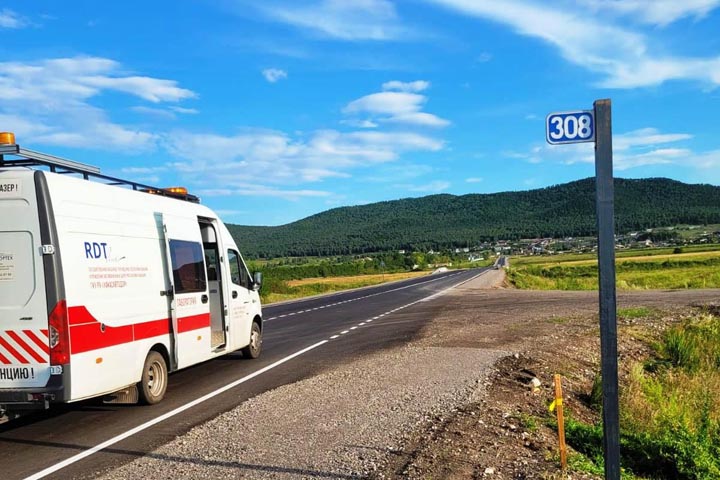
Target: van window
[(188, 266), (238, 271)]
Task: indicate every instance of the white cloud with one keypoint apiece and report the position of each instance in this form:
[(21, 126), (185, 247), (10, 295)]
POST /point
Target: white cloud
[(10, 19), (655, 12), (646, 137), (255, 190), (621, 55), (401, 107), (474, 180), (661, 156), (705, 160), (484, 57), (388, 103), (359, 123), (258, 157), (416, 86), (154, 112), (272, 75), (420, 119), (54, 98), (637, 148), (144, 170), (152, 89), (339, 19), (185, 111), (80, 78), (436, 186)]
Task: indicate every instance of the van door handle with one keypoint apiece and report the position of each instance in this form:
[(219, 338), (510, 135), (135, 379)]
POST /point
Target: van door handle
[(204, 299), (234, 294)]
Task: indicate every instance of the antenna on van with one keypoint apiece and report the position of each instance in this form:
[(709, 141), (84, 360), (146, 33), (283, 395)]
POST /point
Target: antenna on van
[(22, 157)]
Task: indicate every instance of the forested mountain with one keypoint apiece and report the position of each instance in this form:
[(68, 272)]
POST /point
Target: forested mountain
[(439, 221)]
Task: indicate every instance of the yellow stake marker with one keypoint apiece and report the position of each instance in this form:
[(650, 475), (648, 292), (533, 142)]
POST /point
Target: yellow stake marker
[(558, 404)]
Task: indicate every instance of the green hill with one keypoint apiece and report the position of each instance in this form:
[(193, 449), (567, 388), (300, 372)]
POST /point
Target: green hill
[(439, 221)]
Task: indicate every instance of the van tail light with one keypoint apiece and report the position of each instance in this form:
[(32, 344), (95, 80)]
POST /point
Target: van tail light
[(58, 333)]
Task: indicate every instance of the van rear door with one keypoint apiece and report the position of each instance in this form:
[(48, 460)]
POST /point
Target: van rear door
[(24, 349)]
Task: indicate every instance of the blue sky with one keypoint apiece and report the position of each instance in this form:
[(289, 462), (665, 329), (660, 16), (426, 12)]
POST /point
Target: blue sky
[(275, 110)]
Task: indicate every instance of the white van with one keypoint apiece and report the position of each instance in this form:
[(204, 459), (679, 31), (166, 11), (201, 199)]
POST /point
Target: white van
[(107, 285)]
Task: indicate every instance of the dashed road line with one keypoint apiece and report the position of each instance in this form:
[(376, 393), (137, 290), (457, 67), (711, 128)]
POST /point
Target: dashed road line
[(363, 297), (437, 294)]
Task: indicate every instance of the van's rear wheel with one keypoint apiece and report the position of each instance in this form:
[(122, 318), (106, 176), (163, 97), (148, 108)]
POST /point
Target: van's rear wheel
[(255, 346), (153, 383)]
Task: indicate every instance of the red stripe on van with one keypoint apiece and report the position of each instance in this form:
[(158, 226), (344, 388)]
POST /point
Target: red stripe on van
[(28, 349), (91, 336), (4, 359), (43, 344), (12, 351), (196, 322), (86, 333), (152, 329)]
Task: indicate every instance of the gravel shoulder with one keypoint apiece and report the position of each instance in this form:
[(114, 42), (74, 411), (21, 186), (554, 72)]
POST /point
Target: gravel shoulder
[(440, 406)]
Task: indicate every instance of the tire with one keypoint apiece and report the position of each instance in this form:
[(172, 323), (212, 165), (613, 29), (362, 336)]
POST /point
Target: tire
[(154, 380), (255, 346)]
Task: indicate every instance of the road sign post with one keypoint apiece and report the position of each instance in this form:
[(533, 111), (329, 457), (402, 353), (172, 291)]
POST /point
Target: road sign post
[(606, 275), (596, 126)]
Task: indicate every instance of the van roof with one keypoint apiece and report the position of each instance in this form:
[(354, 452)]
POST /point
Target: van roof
[(22, 157)]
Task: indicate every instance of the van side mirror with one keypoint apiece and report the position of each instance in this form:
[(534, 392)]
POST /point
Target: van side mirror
[(257, 281)]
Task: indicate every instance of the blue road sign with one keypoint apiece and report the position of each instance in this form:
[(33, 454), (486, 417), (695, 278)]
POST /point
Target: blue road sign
[(570, 127)]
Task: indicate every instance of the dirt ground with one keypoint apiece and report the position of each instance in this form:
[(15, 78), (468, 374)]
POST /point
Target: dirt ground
[(504, 434)]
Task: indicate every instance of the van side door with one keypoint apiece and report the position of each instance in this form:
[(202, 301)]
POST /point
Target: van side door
[(189, 300), (241, 298)]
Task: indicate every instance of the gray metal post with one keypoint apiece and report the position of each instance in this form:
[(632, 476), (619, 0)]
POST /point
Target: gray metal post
[(606, 277)]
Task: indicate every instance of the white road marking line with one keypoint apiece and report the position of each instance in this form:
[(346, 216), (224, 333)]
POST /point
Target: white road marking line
[(170, 414), (371, 295), (204, 398), (406, 305)]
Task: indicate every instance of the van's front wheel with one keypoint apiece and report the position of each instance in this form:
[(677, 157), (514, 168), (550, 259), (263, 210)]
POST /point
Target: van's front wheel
[(154, 380), (255, 346)]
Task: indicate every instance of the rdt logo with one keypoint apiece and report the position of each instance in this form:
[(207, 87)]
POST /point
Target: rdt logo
[(96, 250)]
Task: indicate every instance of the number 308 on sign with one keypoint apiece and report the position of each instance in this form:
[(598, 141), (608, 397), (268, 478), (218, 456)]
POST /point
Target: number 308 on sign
[(570, 127)]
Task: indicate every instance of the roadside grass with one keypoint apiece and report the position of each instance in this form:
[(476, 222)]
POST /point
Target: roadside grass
[(678, 272), (670, 410), (631, 313), (619, 254), (388, 277), (279, 290)]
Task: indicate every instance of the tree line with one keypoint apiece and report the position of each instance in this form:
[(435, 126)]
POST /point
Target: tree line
[(449, 221)]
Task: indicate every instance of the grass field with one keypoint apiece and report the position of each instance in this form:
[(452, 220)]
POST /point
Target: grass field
[(647, 269), (378, 278), (670, 410), (314, 286), (619, 254)]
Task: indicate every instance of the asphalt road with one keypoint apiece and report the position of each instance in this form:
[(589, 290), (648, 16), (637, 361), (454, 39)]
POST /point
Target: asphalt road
[(338, 327)]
